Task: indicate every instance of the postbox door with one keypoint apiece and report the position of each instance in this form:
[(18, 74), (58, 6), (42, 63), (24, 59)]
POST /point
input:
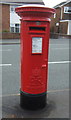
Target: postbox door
[(34, 59), (39, 58)]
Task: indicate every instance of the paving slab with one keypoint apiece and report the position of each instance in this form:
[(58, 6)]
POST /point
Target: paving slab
[(57, 107)]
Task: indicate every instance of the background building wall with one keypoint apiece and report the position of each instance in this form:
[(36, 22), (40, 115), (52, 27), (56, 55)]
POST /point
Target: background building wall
[(63, 27), (66, 16), (61, 23), (54, 26), (0, 17), (5, 18)]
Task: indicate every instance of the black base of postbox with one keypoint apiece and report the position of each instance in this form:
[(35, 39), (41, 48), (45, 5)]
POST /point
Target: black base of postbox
[(32, 101)]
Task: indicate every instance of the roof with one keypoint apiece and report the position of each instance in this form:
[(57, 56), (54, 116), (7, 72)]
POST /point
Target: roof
[(62, 4), (22, 1)]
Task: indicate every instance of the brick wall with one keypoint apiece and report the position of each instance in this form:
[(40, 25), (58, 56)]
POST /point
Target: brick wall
[(5, 17), (0, 17), (10, 35), (55, 20), (63, 27)]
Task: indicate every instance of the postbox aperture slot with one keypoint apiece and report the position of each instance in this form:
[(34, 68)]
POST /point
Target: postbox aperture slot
[(37, 28), (37, 45)]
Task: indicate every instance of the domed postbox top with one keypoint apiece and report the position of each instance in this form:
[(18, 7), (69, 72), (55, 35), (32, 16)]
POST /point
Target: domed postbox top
[(34, 12)]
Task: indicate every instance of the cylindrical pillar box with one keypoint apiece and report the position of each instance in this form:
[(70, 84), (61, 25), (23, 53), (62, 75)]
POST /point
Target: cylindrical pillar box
[(35, 30)]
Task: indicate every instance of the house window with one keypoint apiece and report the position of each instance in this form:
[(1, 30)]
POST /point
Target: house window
[(67, 10), (12, 26), (15, 28), (12, 8), (12, 29)]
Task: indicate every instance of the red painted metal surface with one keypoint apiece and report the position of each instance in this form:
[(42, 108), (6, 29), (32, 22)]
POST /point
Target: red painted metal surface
[(35, 24)]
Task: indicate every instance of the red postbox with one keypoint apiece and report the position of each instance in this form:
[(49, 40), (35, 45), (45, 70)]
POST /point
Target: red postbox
[(35, 29)]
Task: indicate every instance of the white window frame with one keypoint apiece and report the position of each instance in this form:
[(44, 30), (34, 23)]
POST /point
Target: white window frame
[(13, 25), (66, 10), (17, 27)]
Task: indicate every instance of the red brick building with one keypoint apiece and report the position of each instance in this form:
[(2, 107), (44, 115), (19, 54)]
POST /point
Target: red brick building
[(61, 21), (4, 17)]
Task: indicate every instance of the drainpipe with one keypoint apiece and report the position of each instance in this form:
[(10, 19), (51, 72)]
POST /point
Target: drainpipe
[(61, 13)]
